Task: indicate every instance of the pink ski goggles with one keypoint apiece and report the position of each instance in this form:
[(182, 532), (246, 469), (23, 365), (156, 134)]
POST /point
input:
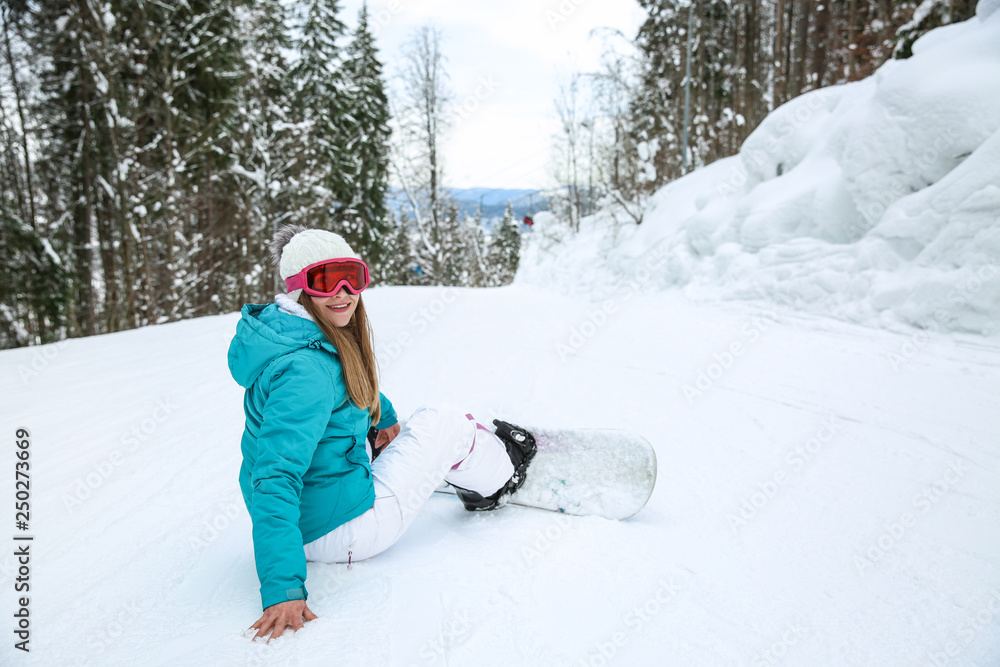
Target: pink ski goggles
[(326, 278)]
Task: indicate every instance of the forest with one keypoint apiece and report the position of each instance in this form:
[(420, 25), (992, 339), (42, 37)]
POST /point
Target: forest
[(149, 149), (652, 113)]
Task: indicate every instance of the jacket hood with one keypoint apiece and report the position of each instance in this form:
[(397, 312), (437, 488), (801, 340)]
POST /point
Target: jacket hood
[(265, 333)]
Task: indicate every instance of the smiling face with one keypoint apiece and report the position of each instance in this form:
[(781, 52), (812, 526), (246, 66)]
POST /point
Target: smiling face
[(339, 308)]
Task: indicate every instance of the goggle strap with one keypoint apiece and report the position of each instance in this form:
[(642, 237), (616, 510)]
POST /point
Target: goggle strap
[(298, 281)]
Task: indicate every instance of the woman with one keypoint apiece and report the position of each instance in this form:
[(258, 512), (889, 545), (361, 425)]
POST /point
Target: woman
[(312, 394)]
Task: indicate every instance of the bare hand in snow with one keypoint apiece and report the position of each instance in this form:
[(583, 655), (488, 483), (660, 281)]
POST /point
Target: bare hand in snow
[(283, 615)]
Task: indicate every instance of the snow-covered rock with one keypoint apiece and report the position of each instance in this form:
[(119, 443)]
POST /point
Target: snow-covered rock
[(877, 201)]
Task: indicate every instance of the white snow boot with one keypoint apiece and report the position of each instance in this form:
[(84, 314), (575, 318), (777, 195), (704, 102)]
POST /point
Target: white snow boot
[(521, 449)]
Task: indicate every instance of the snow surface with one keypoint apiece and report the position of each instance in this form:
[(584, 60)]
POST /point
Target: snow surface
[(830, 497), (877, 201)]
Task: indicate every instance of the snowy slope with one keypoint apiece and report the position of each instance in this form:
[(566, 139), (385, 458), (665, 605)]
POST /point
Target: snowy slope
[(877, 201), (828, 494)]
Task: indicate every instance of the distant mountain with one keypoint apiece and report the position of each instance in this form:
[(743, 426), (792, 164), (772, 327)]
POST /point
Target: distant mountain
[(493, 201)]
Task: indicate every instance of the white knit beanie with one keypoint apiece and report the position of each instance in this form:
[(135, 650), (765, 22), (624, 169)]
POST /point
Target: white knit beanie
[(296, 247)]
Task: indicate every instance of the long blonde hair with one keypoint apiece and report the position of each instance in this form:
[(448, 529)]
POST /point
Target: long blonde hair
[(355, 343)]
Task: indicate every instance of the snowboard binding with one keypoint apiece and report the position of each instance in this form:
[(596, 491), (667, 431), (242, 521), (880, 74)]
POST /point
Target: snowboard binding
[(521, 449)]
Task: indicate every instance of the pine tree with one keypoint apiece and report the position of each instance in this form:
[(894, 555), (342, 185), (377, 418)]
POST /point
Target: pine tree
[(450, 249), (264, 148), (928, 15), (476, 249), (748, 57), (80, 156), (137, 102), (466, 259), (716, 125), (319, 106), (190, 81), (654, 110), (364, 216), (505, 248), (34, 290), (401, 269)]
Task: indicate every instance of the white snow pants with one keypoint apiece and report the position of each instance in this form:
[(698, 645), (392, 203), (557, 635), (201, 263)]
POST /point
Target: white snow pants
[(434, 445)]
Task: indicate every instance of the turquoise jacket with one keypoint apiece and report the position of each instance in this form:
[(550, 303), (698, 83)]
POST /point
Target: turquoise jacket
[(305, 468)]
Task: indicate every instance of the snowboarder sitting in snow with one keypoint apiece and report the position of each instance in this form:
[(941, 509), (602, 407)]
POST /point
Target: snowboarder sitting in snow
[(312, 393)]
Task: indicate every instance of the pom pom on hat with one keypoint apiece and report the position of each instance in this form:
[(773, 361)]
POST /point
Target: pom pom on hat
[(295, 247)]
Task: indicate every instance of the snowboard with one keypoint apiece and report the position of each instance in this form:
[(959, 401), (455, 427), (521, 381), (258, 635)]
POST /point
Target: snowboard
[(587, 472)]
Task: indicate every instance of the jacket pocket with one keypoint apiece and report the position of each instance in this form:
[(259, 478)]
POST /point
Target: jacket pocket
[(358, 455)]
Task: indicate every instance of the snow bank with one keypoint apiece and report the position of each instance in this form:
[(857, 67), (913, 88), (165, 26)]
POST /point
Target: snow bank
[(876, 201)]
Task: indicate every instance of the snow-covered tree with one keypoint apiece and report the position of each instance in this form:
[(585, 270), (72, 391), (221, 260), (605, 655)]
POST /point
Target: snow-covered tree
[(476, 249), (364, 216), (187, 64), (930, 14), (402, 269), (318, 108), (504, 253), (747, 58), (568, 108), (451, 249), (623, 165), (150, 148), (33, 285), (136, 102), (264, 148), (417, 164), (467, 248), (78, 156)]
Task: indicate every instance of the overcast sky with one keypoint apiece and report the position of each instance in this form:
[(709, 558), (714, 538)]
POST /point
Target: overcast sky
[(507, 59)]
